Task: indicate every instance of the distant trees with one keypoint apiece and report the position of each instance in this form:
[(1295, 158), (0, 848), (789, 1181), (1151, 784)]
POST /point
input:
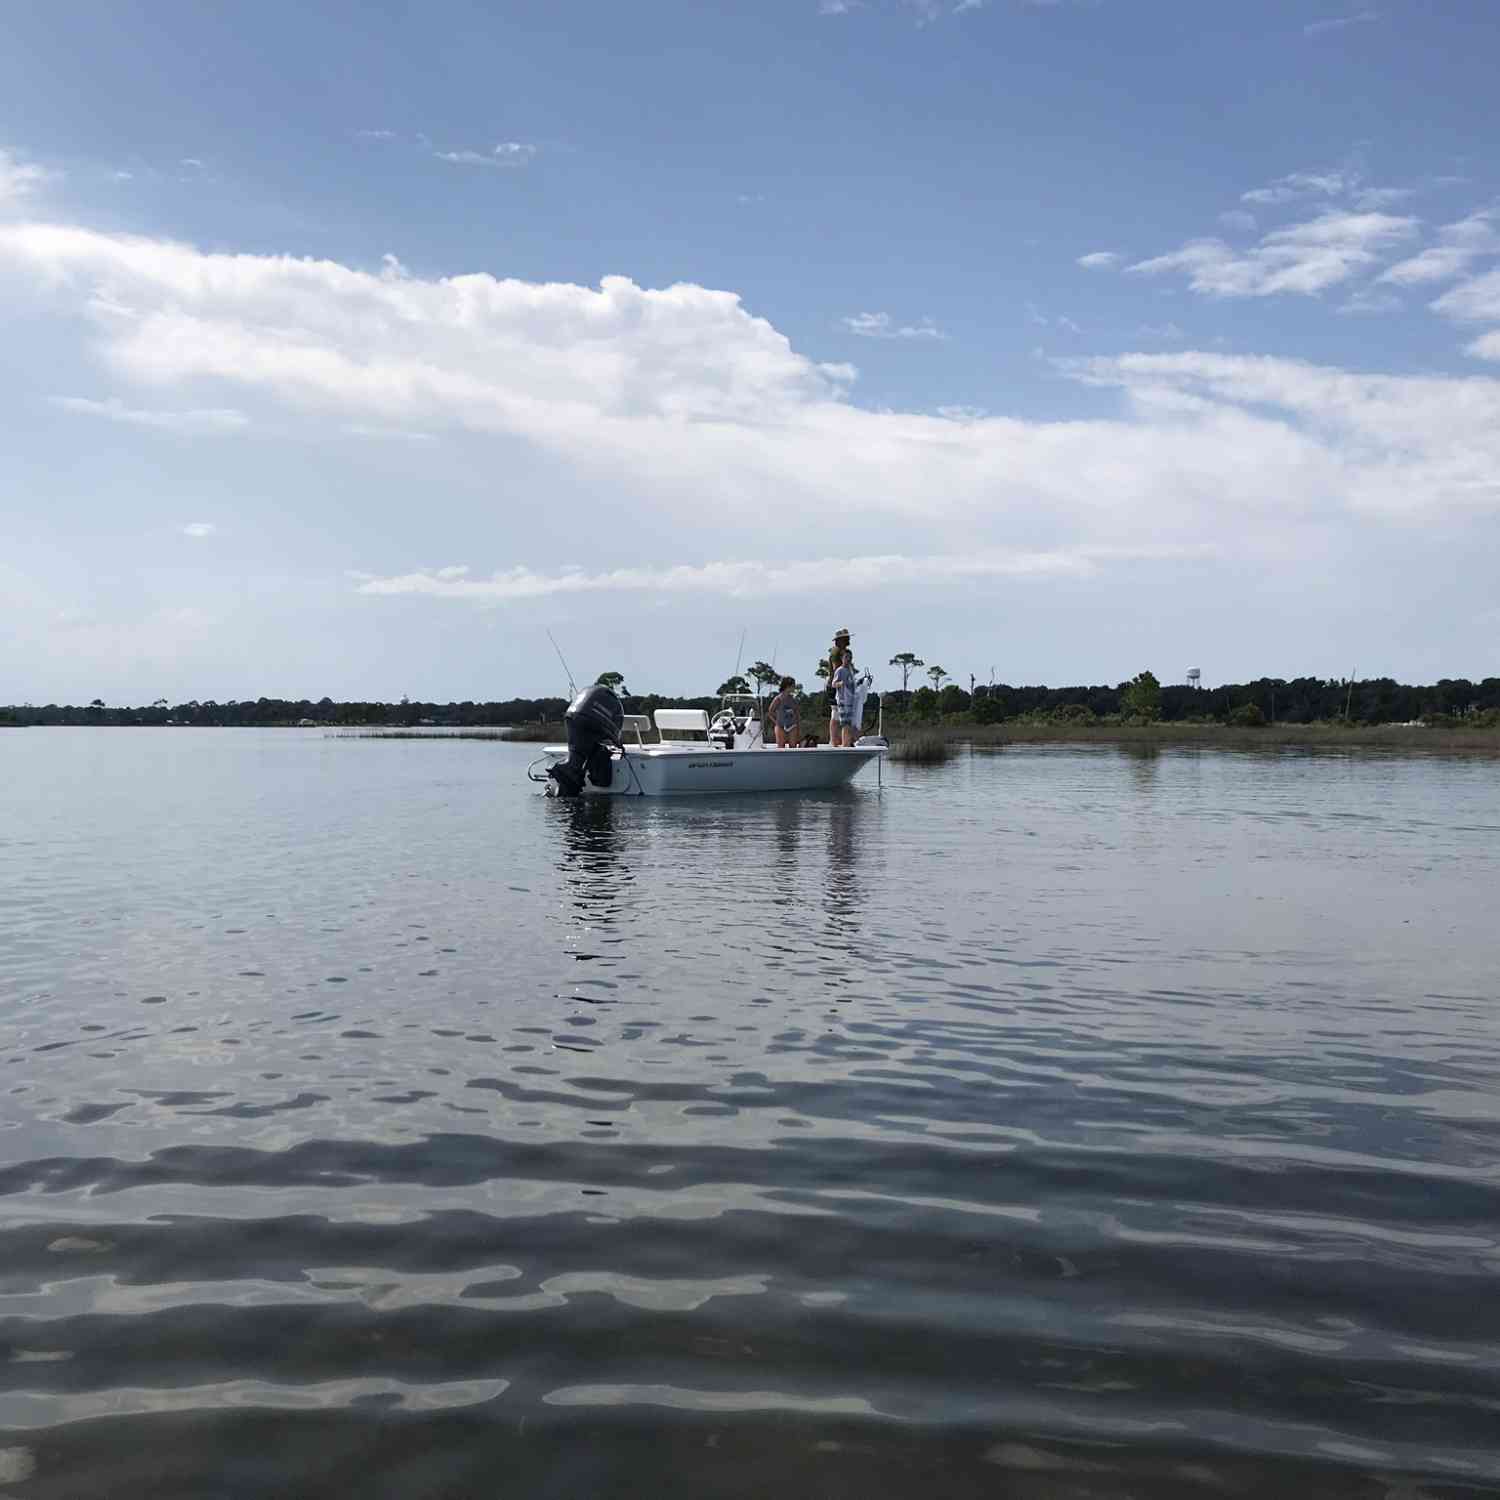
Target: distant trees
[(938, 675), (1291, 701), (733, 685)]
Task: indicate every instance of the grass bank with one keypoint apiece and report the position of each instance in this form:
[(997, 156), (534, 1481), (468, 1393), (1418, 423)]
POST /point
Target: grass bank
[(1298, 736)]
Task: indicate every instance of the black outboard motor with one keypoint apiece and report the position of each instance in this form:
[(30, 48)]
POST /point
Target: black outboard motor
[(594, 719)]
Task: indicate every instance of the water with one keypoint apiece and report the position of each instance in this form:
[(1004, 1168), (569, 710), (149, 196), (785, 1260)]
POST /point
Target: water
[(1060, 1122)]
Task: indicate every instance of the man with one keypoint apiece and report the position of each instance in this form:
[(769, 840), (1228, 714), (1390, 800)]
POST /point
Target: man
[(836, 655)]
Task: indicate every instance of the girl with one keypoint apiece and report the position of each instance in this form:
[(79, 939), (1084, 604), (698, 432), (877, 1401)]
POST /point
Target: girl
[(785, 716)]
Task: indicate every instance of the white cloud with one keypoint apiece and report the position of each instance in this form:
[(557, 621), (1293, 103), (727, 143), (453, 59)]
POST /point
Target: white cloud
[(18, 178), (207, 420), (1400, 446), (199, 529), (962, 413), (881, 325), (1100, 260), (1237, 219), (191, 161), (1338, 23), (681, 408), (1462, 243), (1167, 332), (1298, 185), (1475, 301), (506, 154), (747, 579), (375, 135), (1305, 259), (836, 7)]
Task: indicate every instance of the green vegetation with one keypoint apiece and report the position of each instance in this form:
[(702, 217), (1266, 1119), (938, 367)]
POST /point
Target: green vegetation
[(924, 748), (1141, 698), (1454, 713)]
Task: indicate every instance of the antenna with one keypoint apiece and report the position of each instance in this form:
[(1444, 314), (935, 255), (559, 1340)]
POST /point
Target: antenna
[(572, 686), (741, 654)]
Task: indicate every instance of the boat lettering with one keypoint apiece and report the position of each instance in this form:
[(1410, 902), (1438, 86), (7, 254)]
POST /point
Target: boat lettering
[(708, 765)]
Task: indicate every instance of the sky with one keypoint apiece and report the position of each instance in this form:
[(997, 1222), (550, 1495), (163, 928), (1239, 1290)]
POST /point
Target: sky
[(350, 349)]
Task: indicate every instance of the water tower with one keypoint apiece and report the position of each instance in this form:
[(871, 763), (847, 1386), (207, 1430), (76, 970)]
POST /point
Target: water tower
[(1194, 677)]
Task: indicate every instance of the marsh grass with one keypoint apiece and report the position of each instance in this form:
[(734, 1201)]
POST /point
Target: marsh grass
[(924, 748)]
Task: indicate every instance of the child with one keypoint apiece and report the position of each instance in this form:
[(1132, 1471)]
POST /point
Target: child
[(843, 700), (785, 716)]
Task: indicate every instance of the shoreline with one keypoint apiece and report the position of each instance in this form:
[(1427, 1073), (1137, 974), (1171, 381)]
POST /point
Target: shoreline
[(1225, 736)]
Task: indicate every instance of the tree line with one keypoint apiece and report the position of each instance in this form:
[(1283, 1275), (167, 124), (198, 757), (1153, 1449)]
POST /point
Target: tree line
[(1298, 700)]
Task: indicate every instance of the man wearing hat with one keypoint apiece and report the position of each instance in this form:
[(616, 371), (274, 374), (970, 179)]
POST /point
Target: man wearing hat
[(835, 657)]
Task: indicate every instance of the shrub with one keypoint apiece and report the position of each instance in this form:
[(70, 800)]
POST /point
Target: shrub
[(921, 749), (1248, 716)]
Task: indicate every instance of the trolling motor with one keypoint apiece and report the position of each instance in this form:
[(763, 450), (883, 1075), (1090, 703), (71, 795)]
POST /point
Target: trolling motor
[(594, 719)]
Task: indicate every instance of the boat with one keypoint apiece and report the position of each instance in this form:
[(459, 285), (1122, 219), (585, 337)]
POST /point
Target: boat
[(608, 755)]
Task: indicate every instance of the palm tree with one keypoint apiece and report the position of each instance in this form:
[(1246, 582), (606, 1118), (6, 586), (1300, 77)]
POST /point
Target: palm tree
[(908, 661), (937, 674)]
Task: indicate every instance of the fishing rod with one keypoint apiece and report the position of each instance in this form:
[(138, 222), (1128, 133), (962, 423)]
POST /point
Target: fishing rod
[(572, 687)]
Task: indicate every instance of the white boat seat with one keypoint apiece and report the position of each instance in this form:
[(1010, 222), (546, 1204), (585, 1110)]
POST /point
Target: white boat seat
[(689, 720)]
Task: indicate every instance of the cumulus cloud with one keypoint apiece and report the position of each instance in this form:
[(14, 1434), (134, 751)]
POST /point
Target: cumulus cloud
[(1306, 258), (19, 178), (199, 529), (1401, 445), (207, 420), (680, 407), (880, 325), (1099, 260)]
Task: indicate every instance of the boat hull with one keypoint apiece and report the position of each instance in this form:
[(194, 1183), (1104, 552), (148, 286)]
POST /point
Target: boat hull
[(656, 771)]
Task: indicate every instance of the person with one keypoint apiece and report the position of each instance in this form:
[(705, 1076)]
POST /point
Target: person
[(844, 700), (785, 716), (836, 654)]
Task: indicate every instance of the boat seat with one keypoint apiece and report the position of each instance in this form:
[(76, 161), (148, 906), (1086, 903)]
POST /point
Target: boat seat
[(688, 720)]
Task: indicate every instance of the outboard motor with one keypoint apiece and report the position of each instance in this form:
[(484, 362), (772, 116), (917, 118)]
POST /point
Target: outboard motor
[(594, 719)]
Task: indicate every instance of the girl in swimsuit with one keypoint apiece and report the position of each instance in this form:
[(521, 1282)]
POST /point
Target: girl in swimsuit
[(785, 717)]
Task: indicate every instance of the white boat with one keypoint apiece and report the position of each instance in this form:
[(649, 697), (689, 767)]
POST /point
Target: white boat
[(731, 756)]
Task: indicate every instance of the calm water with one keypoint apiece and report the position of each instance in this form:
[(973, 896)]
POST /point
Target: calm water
[(1055, 1123)]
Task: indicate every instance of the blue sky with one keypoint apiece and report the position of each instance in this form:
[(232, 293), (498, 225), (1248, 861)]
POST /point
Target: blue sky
[(347, 349)]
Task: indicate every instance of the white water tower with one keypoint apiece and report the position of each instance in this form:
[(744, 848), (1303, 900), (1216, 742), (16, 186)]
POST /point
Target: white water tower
[(1194, 677)]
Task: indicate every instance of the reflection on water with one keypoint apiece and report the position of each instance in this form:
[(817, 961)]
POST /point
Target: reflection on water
[(369, 1121)]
